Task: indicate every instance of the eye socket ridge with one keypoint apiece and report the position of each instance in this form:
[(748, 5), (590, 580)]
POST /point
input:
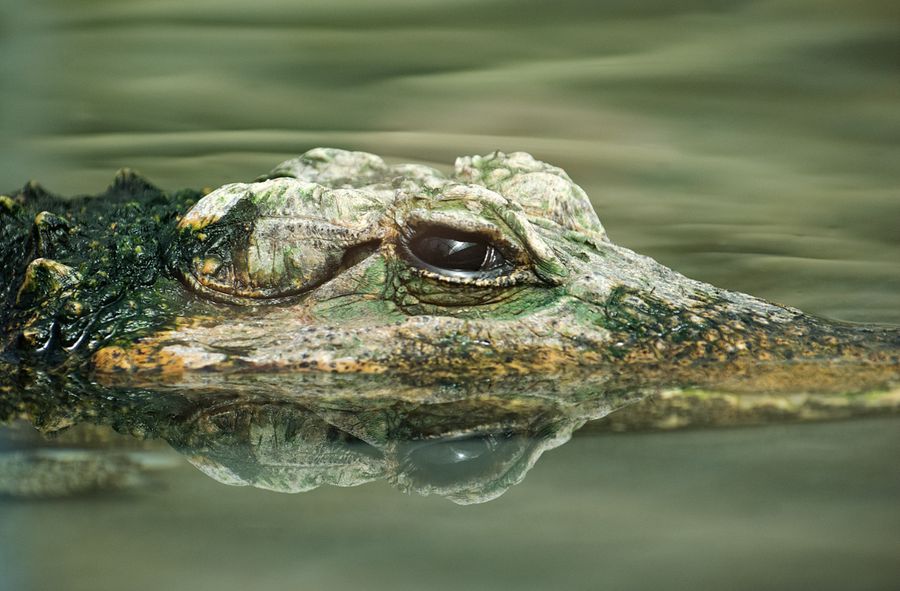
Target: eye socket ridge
[(455, 253)]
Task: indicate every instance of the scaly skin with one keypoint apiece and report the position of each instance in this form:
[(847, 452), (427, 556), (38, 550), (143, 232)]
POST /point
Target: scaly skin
[(307, 292), (309, 270)]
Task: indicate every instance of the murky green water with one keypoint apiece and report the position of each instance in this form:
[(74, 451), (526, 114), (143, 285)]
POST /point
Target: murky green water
[(754, 145), (811, 506)]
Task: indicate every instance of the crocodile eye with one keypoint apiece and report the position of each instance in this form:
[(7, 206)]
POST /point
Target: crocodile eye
[(458, 254)]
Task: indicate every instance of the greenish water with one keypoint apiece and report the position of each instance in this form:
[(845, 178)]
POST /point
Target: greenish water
[(754, 145), (765, 508)]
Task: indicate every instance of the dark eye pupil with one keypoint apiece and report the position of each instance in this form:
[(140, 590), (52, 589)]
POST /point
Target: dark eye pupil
[(454, 253), (451, 253)]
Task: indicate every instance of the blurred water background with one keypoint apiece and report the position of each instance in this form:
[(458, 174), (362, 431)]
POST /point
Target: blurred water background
[(752, 144)]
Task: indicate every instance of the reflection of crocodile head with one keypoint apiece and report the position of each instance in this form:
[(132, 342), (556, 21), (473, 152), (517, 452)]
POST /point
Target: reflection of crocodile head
[(467, 450), (337, 262), (468, 442)]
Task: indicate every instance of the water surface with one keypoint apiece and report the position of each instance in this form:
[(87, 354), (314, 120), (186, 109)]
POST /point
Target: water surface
[(751, 144)]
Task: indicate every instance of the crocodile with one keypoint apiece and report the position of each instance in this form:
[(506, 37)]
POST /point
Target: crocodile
[(338, 281)]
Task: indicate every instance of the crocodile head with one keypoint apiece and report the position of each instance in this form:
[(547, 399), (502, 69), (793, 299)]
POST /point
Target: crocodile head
[(336, 262)]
